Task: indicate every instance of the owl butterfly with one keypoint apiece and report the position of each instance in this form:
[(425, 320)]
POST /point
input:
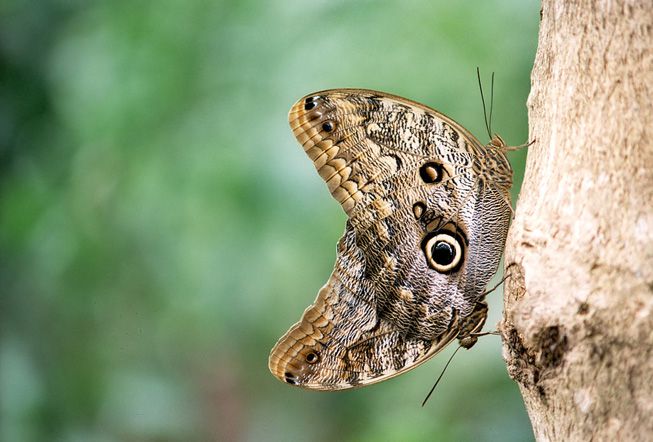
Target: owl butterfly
[(428, 210)]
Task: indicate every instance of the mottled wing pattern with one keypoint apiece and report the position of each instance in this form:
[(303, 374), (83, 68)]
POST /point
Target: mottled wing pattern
[(428, 210)]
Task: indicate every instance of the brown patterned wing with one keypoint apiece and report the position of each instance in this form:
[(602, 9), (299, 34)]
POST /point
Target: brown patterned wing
[(406, 281)]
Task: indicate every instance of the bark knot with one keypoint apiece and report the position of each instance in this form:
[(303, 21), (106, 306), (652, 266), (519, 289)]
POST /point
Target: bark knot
[(531, 364)]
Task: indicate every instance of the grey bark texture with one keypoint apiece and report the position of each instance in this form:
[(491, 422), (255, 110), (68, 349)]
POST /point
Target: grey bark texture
[(578, 317)]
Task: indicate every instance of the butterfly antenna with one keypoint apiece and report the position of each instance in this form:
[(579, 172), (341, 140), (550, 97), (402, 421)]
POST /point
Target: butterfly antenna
[(437, 381), (491, 105), (480, 87)]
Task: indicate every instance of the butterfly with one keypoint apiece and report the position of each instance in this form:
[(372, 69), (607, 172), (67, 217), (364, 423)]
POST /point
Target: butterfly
[(428, 210)]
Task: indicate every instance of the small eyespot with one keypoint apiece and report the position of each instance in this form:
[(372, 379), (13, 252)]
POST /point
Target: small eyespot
[(431, 173), (418, 209), (312, 357), (328, 126), (311, 102), (290, 378), (444, 251)]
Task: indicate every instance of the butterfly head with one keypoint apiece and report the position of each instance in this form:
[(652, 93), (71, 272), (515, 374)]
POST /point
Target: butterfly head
[(498, 142)]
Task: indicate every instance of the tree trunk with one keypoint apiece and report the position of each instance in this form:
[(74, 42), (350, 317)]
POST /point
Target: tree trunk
[(578, 321)]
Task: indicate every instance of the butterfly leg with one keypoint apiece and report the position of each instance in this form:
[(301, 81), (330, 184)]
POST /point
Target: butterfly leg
[(505, 276), (472, 324)]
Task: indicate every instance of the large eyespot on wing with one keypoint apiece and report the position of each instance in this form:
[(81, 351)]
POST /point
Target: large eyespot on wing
[(444, 250)]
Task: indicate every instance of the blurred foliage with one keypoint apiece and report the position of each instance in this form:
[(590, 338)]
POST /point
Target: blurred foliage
[(160, 228)]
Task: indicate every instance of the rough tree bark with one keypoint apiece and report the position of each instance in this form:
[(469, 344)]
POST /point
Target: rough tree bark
[(578, 320)]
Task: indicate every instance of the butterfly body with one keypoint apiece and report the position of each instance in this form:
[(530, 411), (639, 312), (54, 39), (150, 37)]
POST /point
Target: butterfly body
[(428, 211)]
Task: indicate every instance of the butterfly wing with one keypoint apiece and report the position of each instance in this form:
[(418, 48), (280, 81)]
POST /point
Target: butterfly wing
[(428, 212)]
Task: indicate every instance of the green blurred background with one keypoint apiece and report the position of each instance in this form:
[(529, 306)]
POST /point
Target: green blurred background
[(160, 227)]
